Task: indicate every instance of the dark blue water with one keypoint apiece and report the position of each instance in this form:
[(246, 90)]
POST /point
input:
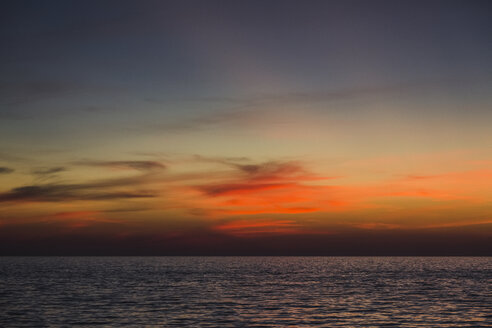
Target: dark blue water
[(245, 291)]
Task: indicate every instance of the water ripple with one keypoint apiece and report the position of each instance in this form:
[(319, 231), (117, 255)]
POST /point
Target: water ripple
[(245, 291)]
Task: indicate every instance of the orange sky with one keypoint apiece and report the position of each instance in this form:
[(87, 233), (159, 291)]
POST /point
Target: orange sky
[(274, 128)]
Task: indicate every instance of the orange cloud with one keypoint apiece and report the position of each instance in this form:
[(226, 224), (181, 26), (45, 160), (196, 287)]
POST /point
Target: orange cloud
[(464, 176), (249, 227), (79, 219), (377, 226), (76, 214), (277, 210), (240, 188)]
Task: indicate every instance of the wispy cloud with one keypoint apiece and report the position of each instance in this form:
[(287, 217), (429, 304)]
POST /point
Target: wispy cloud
[(64, 192), (259, 227), (44, 174), (102, 189), (105, 189), (261, 177), (257, 109), (239, 188), (205, 121), (452, 176), (6, 170), (331, 95), (136, 165), (49, 170), (273, 187)]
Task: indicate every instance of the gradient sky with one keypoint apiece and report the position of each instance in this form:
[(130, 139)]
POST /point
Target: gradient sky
[(252, 127)]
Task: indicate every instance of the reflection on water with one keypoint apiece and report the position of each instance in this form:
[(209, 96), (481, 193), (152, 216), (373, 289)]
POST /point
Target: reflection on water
[(246, 291)]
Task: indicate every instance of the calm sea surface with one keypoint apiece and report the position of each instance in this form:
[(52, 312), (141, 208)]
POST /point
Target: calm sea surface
[(245, 291)]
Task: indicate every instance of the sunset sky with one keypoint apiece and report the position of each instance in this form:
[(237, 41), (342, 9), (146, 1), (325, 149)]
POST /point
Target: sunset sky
[(246, 127)]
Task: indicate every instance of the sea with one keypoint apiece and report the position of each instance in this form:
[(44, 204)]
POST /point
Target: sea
[(246, 291)]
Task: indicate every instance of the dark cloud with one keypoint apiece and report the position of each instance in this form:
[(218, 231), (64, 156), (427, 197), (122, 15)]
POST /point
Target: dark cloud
[(44, 174), (272, 170), (95, 190), (136, 165), (239, 188), (259, 177), (64, 192), (6, 170), (250, 169), (269, 169), (220, 159), (49, 170), (126, 209)]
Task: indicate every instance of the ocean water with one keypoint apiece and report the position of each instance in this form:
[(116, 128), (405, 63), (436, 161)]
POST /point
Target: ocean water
[(246, 291)]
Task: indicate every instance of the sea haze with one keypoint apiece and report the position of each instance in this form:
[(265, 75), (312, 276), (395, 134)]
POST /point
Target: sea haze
[(246, 291)]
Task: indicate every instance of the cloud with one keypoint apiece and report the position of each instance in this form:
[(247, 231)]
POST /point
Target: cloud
[(206, 121), (450, 176), (270, 170), (258, 227), (355, 92), (101, 189), (64, 192), (6, 170), (49, 170), (260, 177), (289, 188), (105, 189), (239, 188), (136, 165), (44, 174), (270, 210), (257, 109), (272, 187), (229, 161), (413, 177)]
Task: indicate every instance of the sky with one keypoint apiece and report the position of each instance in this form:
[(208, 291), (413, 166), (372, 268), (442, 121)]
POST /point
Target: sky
[(246, 127)]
